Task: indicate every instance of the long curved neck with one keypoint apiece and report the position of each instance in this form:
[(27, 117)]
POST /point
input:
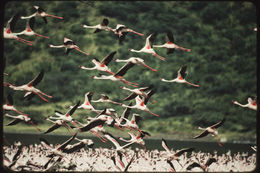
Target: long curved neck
[(121, 60), (239, 104), (133, 50), (59, 46), (165, 80)]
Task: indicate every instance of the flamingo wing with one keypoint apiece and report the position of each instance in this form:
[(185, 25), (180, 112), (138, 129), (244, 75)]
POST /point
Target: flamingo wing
[(12, 21), (180, 152), (37, 79), (92, 124), (30, 23), (210, 161), (9, 100), (129, 163), (122, 71), (52, 128), (149, 96), (125, 114), (76, 147), (105, 22), (130, 97), (13, 122), (219, 123), (62, 146), (88, 96), (151, 39), (72, 110), (182, 71), (202, 134), (193, 165), (171, 165), (108, 58), (146, 88), (169, 50), (165, 146), (169, 37)]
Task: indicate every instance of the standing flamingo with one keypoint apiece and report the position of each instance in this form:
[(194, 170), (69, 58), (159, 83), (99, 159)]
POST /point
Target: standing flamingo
[(211, 129), (170, 45), (30, 87), (141, 103), (252, 103), (102, 26), (119, 75), (101, 66), (148, 48), (9, 106), (40, 13), (29, 29), (136, 60), (68, 44), (180, 77), (8, 31)]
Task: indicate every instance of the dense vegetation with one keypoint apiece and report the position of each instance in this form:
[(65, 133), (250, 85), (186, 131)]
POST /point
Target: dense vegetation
[(222, 61)]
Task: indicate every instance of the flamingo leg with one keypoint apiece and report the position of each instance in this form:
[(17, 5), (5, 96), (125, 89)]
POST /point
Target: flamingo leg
[(158, 56), (23, 41), (136, 32), (110, 72), (81, 51), (121, 163), (68, 127), (182, 48), (191, 84), (54, 16), (35, 126), (41, 36), (100, 137), (152, 113), (143, 64), (46, 94), (40, 96), (119, 127), (18, 111)]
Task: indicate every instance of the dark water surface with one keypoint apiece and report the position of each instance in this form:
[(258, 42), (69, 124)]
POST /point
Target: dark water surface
[(151, 144)]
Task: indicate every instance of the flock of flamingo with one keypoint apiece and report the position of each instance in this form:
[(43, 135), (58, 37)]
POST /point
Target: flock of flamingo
[(108, 116)]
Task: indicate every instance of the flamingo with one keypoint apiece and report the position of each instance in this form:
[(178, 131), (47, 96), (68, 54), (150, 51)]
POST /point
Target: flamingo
[(101, 66), (30, 87), (102, 26), (79, 145), (133, 123), (148, 48), (40, 13), (56, 124), (170, 45), (59, 150), (87, 103), (136, 92), (122, 30), (211, 130), (8, 31), (119, 75), (20, 118), (202, 166), (68, 44), (29, 29), (136, 139), (125, 114), (104, 98), (180, 77), (9, 106), (252, 103), (66, 117), (136, 60), (141, 103)]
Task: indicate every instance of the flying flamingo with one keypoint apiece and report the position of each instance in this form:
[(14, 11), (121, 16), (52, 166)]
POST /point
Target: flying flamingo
[(133, 123), (81, 144), (102, 26), (40, 13), (119, 75), (122, 30), (136, 60), (252, 103), (105, 98), (30, 87), (180, 77), (8, 31), (68, 44), (202, 166), (148, 48), (174, 156), (170, 45), (141, 103), (56, 124), (136, 92), (101, 66), (136, 139), (20, 118), (66, 117), (211, 129), (29, 29), (9, 106)]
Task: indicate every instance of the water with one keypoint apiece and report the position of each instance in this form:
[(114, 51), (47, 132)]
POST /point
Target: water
[(151, 144)]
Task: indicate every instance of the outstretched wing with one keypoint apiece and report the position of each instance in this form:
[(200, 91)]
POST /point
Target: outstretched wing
[(149, 96), (165, 146), (37, 79), (9, 100), (72, 110), (180, 152), (219, 123), (13, 122), (52, 128), (105, 22), (202, 134), (182, 71), (210, 161), (169, 37), (62, 146), (92, 124), (171, 165), (130, 96), (31, 22), (108, 58), (193, 165), (122, 71)]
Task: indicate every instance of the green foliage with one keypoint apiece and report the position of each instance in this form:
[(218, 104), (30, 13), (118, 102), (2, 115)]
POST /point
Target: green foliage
[(222, 60)]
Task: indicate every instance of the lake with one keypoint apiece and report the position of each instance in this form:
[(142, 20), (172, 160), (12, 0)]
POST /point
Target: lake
[(151, 144)]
